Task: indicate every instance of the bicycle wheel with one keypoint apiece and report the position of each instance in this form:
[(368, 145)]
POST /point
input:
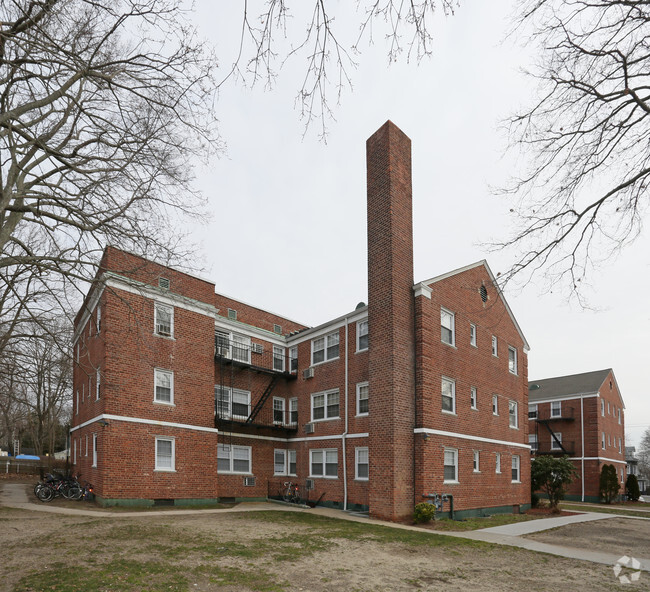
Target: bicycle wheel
[(46, 494), (75, 492), (286, 496)]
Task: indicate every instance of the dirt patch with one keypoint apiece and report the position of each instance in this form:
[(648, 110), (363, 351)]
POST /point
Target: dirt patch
[(619, 536)]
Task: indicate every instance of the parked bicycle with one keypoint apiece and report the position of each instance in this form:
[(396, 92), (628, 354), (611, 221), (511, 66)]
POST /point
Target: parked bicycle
[(291, 493), (58, 485)]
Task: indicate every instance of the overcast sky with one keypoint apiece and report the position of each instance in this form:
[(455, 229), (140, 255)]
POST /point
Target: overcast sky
[(288, 232)]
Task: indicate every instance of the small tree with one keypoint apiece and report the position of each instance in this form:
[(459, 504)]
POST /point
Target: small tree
[(553, 476), (632, 488), (609, 485)]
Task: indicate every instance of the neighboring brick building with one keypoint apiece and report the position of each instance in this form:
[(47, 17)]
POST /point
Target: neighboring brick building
[(183, 395), (582, 416)]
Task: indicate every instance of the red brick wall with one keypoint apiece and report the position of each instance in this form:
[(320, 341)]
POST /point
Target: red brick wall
[(255, 316)]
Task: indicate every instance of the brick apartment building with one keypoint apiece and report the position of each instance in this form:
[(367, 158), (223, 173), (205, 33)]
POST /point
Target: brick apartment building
[(582, 416), (183, 395)]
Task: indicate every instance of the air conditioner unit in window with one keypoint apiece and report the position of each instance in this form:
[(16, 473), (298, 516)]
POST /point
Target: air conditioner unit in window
[(309, 428), (309, 484), (164, 330), (249, 481), (257, 348), (308, 373), (224, 352)]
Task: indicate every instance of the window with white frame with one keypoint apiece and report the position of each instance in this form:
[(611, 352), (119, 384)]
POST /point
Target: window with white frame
[(513, 414), (86, 444), (619, 416), (532, 411), (98, 384), (602, 407), (447, 323), (83, 392), (325, 405), (74, 453), (476, 465), (164, 386), (495, 404), (472, 334), (556, 409), (233, 459), (497, 468), (532, 441), (325, 348), (603, 441), (362, 398), (99, 318), (448, 395), (473, 398), (293, 411), (279, 462), (362, 335), (609, 441), (165, 454), (361, 464), (515, 469), (291, 462), (76, 410), (241, 348), (95, 449), (556, 441), (232, 403), (278, 358), (278, 410), (163, 320), (451, 465), (620, 448), (608, 409), (324, 463), (512, 360), (293, 359), (495, 350)]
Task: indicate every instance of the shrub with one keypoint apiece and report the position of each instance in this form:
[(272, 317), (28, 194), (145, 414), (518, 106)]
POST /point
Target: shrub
[(534, 500), (608, 484), (553, 475), (424, 512), (632, 488)]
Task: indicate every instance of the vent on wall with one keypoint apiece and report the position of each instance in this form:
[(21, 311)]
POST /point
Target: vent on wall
[(232, 314), (309, 428), (249, 481), (277, 329), (163, 283), (308, 373)]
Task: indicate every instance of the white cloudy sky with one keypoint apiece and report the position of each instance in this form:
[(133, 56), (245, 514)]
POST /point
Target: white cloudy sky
[(288, 231)]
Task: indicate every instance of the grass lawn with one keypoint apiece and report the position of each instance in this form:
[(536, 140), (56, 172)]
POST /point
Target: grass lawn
[(603, 508)]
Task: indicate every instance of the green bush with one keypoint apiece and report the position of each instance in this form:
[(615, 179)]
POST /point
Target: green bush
[(424, 512), (534, 500), (553, 476), (608, 485), (632, 488)]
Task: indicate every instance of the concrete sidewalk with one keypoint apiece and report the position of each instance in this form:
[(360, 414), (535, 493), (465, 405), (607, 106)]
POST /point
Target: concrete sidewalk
[(14, 495)]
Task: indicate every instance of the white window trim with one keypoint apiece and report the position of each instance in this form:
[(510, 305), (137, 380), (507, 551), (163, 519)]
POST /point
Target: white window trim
[(495, 346), (156, 373), (86, 445), (74, 455), (94, 465), (516, 415), (495, 404), (452, 328), (530, 410), (284, 411), (603, 441), (516, 456), (602, 408), (359, 323), (476, 461), (245, 344), (157, 306), (473, 398), (229, 414), (515, 359), (325, 339), (472, 335), (497, 466), (98, 322), (76, 410), (295, 462), (559, 413), (158, 468), (360, 385), (284, 454), (231, 456), (455, 451), (357, 451), (532, 439), (324, 463), (291, 403), (279, 354), (554, 445), (98, 384), (453, 395), (326, 394)]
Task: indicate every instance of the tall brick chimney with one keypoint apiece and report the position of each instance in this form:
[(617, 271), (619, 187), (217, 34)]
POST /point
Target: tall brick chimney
[(391, 323)]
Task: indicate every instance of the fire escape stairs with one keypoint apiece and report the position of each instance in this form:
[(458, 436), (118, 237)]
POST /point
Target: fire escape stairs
[(265, 395), (555, 438)]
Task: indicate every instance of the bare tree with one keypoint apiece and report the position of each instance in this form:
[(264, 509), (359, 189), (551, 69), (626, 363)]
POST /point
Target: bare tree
[(585, 139), (102, 107), (644, 454)]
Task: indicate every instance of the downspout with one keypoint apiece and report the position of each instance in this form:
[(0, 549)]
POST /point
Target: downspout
[(582, 435), (345, 433)]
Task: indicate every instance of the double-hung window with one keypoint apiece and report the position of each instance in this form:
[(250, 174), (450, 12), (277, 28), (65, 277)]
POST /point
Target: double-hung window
[(512, 414), (325, 405), (232, 403), (164, 386), (325, 348), (556, 408), (451, 465), (293, 411), (515, 469), (362, 335), (278, 410), (362, 398), (556, 441), (602, 407), (165, 454), (448, 395), (495, 347), (361, 464), (532, 411), (98, 384), (99, 319), (473, 398), (476, 465), (163, 320), (447, 327), (293, 359), (95, 449), (532, 441), (324, 463), (472, 334), (278, 358), (512, 360), (284, 462), (495, 404), (497, 468), (233, 459), (603, 441)]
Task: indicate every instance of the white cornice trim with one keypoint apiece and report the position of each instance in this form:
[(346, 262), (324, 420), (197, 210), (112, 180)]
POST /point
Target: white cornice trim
[(469, 437), (226, 324), (289, 440), (599, 458), (166, 424), (422, 289), (88, 310), (329, 327), (532, 401)]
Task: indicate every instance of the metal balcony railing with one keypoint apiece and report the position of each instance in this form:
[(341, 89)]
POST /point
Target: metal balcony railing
[(263, 357), (552, 448), (565, 413)]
